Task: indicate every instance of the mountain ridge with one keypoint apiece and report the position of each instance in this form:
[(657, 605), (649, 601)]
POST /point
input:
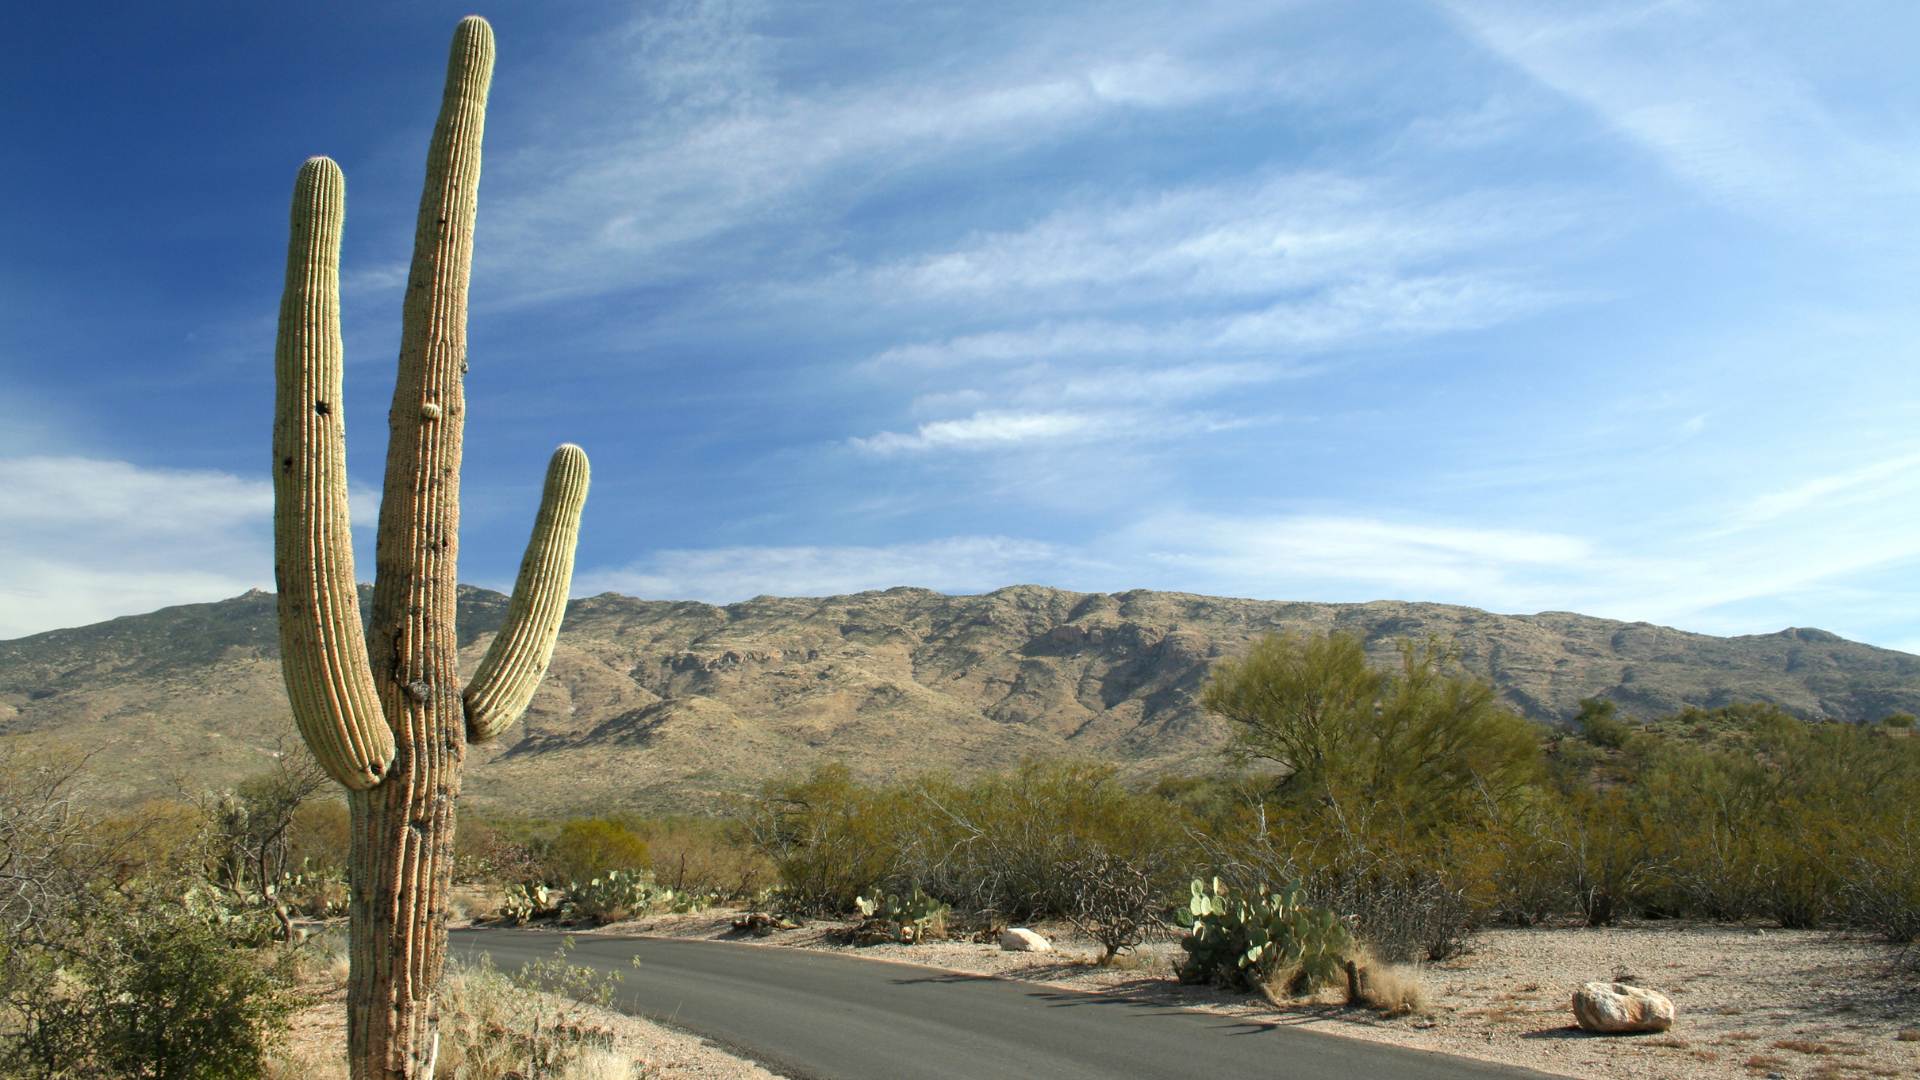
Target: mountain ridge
[(658, 703)]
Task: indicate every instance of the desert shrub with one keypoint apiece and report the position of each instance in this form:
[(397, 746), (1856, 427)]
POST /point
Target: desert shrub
[(705, 857), (250, 829), (992, 846), (590, 847), (1410, 752), (1765, 817), (160, 838), (827, 836), (1395, 785), (1116, 901), (1599, 725), (319, 835), (152, 990), (1608, 854), (995, 846), (1527, 877), (487, 852), (1880, 891)]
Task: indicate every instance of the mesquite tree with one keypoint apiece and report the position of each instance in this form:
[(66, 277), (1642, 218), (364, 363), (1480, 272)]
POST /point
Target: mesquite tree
[(390, 722)]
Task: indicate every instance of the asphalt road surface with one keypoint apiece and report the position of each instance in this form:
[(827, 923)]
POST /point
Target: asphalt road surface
[(821, 1015)]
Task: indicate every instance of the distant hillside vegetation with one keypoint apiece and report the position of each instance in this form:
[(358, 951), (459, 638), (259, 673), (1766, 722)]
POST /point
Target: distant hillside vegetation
[(678, 704)]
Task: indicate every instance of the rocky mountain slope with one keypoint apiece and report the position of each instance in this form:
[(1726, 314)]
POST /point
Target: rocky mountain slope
[(676, 704)]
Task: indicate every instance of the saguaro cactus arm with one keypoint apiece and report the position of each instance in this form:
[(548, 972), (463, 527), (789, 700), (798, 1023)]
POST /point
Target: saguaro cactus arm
[(323, 654), (518, 657)]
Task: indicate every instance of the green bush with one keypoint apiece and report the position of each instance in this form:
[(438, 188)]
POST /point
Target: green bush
[(1598, 724), (1407, 752), (153, 991), (587, 848), (992, 846)]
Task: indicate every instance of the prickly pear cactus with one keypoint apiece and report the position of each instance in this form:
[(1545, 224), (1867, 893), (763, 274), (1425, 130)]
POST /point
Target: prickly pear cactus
[(1250, 943), (389, 720)]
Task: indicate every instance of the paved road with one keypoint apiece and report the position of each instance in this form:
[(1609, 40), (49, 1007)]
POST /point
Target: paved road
[(821, 1015)]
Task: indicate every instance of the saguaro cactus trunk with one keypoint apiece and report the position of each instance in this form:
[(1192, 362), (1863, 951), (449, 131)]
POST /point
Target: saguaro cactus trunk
[(390, 722)]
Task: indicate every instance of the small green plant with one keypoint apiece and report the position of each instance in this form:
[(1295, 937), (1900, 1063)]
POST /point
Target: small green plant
[(1265, 942)]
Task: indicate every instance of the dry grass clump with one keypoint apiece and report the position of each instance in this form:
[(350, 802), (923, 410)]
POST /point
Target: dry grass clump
[(1393, 989), (1802, 1046), (491, 1028), (599, 1065)]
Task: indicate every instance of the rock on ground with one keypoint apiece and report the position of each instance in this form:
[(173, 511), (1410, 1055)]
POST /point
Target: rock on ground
[(1021, 939), (1619, 1008)]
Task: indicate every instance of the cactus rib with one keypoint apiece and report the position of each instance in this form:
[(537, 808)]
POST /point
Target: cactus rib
[(518, 657), (323, 652)]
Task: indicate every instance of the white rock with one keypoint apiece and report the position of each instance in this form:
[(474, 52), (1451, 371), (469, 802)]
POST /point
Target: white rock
[(1616, 1008), (1021, 939)]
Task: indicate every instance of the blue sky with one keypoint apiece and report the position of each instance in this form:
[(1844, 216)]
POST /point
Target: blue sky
[(1597, 306)]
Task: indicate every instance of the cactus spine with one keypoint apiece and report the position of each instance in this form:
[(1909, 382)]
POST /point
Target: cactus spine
[(388, 719)]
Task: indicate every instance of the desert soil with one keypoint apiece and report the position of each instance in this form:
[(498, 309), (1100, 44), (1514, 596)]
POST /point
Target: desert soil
[(1751, 1002)]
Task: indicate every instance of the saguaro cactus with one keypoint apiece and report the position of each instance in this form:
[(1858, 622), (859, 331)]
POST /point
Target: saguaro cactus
[(391, 722)]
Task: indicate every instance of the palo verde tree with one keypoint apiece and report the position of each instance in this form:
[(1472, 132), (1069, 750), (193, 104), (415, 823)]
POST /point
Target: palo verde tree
[(390, 721), (1413, 750)]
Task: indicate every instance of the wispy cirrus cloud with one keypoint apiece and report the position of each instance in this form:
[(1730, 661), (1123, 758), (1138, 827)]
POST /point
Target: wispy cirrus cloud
[(1879, 482), (1726, 102), (1253, 236), (724, 138), (995, 430), (1353, 313)]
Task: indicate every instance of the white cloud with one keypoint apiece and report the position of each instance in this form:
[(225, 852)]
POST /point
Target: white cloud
[(90, 494), (1878, 482), (1014, 430), (1714, 94), (721, 575), (1366, 311), (700, 133), (86, 539), (1358, 557), (985, 430), (1249, 237)]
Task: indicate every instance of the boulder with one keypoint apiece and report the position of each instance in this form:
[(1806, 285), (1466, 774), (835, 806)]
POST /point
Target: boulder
[(1620, 1008), (1021, 939)]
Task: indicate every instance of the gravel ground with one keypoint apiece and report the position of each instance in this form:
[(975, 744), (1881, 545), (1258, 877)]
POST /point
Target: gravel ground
[(1751, 1002)]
